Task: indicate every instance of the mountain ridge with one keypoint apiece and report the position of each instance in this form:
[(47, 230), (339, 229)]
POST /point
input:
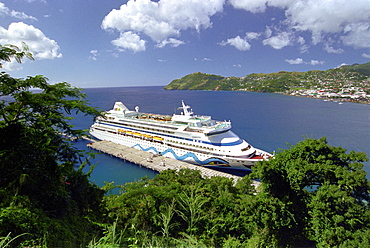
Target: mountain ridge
[(273, 82)]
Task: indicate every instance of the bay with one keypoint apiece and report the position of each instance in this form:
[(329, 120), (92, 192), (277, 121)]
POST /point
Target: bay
[(267, 121)]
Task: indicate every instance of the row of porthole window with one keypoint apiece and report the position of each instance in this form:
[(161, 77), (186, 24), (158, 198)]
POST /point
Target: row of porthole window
[(202, 147)]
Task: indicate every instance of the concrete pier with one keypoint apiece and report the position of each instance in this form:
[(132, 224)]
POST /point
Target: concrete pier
[(157, 163)]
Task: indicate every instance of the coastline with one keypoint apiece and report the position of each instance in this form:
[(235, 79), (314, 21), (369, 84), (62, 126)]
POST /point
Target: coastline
[(329, 99), (325, 98)]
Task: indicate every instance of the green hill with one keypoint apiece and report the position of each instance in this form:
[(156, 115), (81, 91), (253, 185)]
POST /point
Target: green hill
[(195, 81), (273, 82), (360, 68)]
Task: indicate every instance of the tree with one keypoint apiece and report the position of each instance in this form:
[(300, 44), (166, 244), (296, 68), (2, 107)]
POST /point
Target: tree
[(8, 52), (323, 189), (36, 161), (311, 195)]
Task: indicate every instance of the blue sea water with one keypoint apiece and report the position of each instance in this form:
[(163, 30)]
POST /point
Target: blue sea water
[(267, 121)]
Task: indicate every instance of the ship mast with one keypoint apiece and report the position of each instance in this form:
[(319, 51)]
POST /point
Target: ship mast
[(185, 108)]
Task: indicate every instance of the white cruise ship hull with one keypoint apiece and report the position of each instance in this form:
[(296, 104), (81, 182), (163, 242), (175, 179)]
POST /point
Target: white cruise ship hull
[(189, 138), (177, 151)]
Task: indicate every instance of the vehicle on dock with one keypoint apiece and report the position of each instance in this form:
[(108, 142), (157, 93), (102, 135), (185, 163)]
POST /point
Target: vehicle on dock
[(196, 139)]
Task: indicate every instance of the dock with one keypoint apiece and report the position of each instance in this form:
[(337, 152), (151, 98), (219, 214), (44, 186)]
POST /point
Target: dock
[(156, 163)]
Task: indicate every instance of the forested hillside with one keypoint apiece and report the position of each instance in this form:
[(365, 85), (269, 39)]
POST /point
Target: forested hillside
[(274, 82), (360, 68)]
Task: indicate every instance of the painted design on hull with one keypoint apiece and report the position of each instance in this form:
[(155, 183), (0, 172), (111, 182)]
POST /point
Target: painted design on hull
[(183, 157)]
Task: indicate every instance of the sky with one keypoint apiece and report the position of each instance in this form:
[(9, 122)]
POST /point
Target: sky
[(112, 43)]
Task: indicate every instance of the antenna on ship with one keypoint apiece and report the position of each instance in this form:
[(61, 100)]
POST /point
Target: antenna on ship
[(185, 108)]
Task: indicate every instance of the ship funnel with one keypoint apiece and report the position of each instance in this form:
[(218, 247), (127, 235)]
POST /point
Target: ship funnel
[(119, 106)]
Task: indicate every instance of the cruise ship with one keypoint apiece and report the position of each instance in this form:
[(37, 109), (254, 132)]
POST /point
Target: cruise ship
[(195, 139)]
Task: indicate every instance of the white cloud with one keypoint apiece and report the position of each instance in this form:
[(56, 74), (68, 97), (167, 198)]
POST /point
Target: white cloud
[(254, 6), (142, 16), (31, 1), (357, 34), (316, 62), (331, 49), (365, 55), (238, 42), (163, 19), (323, 19), (309, 14), (299, 61), (304, 48), (279, 41), (252, 35), (296, 61), (206, 59), (301, 40), (12, 13), (341, 65), (241, 44), (39, 45), (13, 65), (94, 54), (171, 41), (268, 32), (189, 14), (130, 41)]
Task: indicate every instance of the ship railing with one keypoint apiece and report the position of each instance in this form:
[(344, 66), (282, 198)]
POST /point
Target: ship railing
[(223, 125)]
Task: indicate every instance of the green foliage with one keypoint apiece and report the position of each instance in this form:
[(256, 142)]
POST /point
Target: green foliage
[(361, 68), (195, 81), (323, 190), (7, 240), (112, 237), (8, 52), (191, 203), (273, 82), (311, 195), (41, 193), (179, 208), (165, 217)]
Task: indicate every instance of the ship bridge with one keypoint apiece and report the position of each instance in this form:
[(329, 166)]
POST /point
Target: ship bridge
[(201, 123)]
